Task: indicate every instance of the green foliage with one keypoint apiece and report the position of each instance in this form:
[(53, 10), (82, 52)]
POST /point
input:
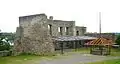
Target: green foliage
[(118, 40), (4, 45)]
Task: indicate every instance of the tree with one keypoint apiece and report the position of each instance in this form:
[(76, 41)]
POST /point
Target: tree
[(118, 40), (4, 44)]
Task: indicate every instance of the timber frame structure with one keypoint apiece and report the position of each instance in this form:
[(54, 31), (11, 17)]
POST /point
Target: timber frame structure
[(74, 40), (100, 46)]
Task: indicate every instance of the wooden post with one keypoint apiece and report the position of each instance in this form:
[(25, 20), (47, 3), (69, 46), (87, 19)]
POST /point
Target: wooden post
[(76, 45), (61, 47), (109, 47), (90, 49), (100, 48)]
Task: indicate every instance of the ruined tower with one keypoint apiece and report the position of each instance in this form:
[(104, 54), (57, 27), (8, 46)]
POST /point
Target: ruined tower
[(32, 35)]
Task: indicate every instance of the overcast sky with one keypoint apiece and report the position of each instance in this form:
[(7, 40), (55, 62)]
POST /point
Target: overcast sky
[(84, 12)]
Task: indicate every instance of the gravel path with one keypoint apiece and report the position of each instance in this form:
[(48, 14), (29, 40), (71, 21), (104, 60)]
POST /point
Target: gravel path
[(77, 59)]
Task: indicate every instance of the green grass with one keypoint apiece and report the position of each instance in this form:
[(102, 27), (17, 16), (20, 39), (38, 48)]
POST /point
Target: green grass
[(32, 59), (17, 59), (115, 52), (29, 59), (115, 61), (24, 59), (82, 50)]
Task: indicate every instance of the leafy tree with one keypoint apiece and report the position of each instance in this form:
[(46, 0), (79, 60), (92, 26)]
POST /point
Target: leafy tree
[(4, 43), (118, 40)]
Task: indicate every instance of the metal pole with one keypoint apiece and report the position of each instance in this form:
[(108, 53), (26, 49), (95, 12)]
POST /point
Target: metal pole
[(100, 23)]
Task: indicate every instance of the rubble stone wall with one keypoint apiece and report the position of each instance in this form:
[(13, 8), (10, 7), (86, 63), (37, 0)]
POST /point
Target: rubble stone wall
[(60, 23), (81, 30), (34, 38)]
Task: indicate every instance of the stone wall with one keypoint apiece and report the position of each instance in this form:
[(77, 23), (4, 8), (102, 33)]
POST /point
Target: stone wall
[(80, 30), (33, 36), (56, 24), (68, 28), (35, 32)]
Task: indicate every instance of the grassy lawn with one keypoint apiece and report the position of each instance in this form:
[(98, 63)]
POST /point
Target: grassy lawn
[(114, 52), (32, 59), (115, 61), (17, 59), (29, 59), (24, 59), (82, 50)]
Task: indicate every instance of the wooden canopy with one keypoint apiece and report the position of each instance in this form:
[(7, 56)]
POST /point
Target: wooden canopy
[(100, 46), (100, 41)]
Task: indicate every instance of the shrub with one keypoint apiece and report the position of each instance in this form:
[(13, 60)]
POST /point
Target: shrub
[(4, 45), (118, 40)]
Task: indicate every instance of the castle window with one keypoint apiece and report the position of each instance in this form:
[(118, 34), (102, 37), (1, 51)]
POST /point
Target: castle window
[(50, 29), (60, 29), (77, 33), (67, 30)]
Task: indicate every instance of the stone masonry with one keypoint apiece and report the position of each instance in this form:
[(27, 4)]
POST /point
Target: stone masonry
[(32, 36), (64, 28), (35, 32)]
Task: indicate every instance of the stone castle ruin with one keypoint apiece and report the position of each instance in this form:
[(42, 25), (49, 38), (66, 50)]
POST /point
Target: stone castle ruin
[(35, 32)]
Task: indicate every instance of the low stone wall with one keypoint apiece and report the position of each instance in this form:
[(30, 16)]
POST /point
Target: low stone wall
[(5, 53)]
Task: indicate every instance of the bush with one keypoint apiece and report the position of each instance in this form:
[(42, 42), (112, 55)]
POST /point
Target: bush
[(118, 40), (4, 45)]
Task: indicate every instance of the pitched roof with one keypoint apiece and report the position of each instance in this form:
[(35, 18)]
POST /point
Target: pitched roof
[(100, 41)]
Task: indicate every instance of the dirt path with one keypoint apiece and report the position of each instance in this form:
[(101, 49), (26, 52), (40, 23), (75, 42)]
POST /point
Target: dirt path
[(77, 58)]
